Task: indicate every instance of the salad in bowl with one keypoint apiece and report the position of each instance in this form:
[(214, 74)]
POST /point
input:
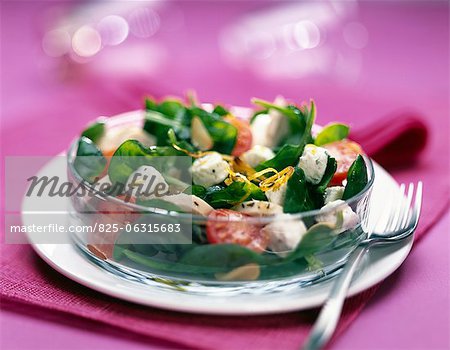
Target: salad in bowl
[(265, 193)]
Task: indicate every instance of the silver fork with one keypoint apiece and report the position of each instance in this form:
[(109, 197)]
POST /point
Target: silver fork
[(401, 223)]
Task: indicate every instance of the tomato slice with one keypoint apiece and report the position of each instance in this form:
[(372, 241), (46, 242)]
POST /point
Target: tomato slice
[(244, 137), (233, 228), (345, 153)]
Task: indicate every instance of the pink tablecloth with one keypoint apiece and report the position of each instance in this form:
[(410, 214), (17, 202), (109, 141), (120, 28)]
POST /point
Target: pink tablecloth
[(39, 117)]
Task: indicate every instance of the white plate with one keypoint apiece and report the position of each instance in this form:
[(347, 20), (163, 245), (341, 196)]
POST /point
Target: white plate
[(379, 263)]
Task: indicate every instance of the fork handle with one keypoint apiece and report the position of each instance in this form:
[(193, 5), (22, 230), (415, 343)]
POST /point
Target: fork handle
[(326, 323)]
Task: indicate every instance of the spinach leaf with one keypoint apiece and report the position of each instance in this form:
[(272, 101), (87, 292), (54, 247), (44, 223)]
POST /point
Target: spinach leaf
[(220, 110), (196, 190), (131, 155), (300, 121), (183, 144), (89, 161), (168, 114), (229, 196), (317, 192), (298, 196), (220, 256), (94, 131), (327, 176), (288, 155), (356, 178), (223, 134), (331, 133), (301, 195), (318, 237)]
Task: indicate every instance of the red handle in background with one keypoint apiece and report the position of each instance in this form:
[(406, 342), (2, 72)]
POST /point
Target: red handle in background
[(394, 141)]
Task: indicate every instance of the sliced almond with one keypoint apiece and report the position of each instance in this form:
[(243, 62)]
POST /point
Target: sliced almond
[(248, 272), (200, 135)]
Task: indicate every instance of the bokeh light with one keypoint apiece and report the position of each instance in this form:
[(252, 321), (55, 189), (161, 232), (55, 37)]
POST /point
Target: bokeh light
[(306, 34), (144, 22), (113, 30), (86, 41), (56, 43), (355, 35)]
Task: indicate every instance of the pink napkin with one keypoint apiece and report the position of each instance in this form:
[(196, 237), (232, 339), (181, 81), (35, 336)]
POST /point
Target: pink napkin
[(28, 281)]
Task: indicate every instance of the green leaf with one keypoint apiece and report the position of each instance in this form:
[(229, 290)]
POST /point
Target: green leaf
[(223, 134), (317, 192), (356, 178), (220, 110), (220, 256), (196, 190), (131, 155), (297, 194), (236, 193), (331, 133), (317, 238), (288, 155), (300, 121), (89, 161), (327, 176), (168, 114), (94, 131)]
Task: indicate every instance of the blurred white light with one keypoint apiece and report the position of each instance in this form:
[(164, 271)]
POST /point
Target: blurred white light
[(144, 22), (260, 45), (113, 30), (306, 34), (355, 35), (56, 42), (86, 42)]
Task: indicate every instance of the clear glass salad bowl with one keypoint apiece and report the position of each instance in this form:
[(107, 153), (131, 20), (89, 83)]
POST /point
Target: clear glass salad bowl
[(329, 236)]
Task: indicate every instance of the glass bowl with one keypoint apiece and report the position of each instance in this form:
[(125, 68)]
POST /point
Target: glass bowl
[(190, 264)]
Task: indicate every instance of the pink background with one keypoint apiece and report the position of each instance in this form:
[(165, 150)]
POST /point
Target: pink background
[(404, 67)]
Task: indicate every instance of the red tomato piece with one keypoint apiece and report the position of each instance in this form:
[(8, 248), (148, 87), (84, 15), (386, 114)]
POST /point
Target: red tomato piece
[(345, 153), (234, 229), (244, 137)]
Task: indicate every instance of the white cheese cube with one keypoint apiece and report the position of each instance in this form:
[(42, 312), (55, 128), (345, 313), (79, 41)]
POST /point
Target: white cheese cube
[(284, 234), (146, 182), (333, 209), (314, 163), (277, 196), (257, 154), (333, 193), (209, 170), (269, 129)]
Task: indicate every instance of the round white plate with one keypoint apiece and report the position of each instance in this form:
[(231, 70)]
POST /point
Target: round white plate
[(379, 263)]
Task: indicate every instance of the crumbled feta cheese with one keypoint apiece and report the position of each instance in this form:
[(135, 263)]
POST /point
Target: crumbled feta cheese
[(284, 234), (114, 137), (331, 211), (277, 196), (209, 170), (333, 193), (257, 154), (269, 129), (146, 182), (314, 163)]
